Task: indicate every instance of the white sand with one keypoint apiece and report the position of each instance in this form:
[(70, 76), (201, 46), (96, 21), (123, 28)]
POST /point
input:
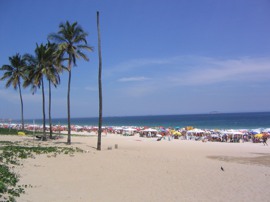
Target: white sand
[(143, 169)]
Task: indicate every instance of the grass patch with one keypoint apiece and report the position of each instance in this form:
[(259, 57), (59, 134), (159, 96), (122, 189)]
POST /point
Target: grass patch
[(11, 131)]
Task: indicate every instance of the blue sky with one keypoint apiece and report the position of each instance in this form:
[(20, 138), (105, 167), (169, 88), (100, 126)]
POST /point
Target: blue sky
[(159, 57)]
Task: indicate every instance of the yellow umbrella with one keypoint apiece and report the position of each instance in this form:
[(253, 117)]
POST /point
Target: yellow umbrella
[(172, 131), (177, 133), (258, 135), (21, 133)]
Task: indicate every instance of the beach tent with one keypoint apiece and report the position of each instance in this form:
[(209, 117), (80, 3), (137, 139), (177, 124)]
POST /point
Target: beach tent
[(149, 130), (129, 129), (196, 130), (118, 128), (232, 132)]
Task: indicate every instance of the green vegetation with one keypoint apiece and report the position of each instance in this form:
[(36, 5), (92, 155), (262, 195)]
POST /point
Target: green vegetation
[(8, 188), (7, 131), (10, 155), (11, 131)]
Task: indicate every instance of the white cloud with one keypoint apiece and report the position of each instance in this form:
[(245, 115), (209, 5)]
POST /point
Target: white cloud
[(136, 63), (215, 71), (185, 71), (129, 79), (194, 70)]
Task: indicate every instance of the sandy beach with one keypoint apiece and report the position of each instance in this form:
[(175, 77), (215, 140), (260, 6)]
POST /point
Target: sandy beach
[(143, 169)]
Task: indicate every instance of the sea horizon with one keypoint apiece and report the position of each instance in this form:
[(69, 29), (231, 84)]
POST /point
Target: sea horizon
[(112, 116), (219, 120)]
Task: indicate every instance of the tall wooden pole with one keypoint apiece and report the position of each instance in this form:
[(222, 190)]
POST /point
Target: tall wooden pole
[(99, 86)]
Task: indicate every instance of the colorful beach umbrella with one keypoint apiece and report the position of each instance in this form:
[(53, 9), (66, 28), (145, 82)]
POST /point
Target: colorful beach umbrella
[(176, 133), (258, 135)]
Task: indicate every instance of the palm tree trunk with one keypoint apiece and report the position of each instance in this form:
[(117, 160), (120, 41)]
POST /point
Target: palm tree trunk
[(43, 110), (22, 119), (99, 87), (50, 104), (68, 101)]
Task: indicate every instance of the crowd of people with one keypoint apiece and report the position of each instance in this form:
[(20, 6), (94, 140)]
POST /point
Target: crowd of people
[(162, 133)]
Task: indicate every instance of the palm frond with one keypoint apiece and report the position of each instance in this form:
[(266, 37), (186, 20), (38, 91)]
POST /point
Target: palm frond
[(15, 83), (56, 38), (9, 82), (33, 89), (6, 68), (81, 54), (80, 38), (72, 43), (6, 75), (86, 47), (15, 71)]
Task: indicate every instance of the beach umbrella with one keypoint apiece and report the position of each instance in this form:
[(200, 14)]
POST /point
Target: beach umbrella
[(176, 133), (256, 131), (258, 135)]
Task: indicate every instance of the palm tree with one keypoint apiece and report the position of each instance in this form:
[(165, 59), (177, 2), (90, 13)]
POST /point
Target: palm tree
[(71, 40), (37, 68), (99, 86), (13, 73), (52, 74)]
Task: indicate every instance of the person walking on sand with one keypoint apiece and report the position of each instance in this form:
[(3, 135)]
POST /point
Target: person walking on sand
[(265, 140)]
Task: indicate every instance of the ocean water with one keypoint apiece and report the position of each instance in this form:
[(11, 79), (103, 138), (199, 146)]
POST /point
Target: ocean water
[(203, 121)]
